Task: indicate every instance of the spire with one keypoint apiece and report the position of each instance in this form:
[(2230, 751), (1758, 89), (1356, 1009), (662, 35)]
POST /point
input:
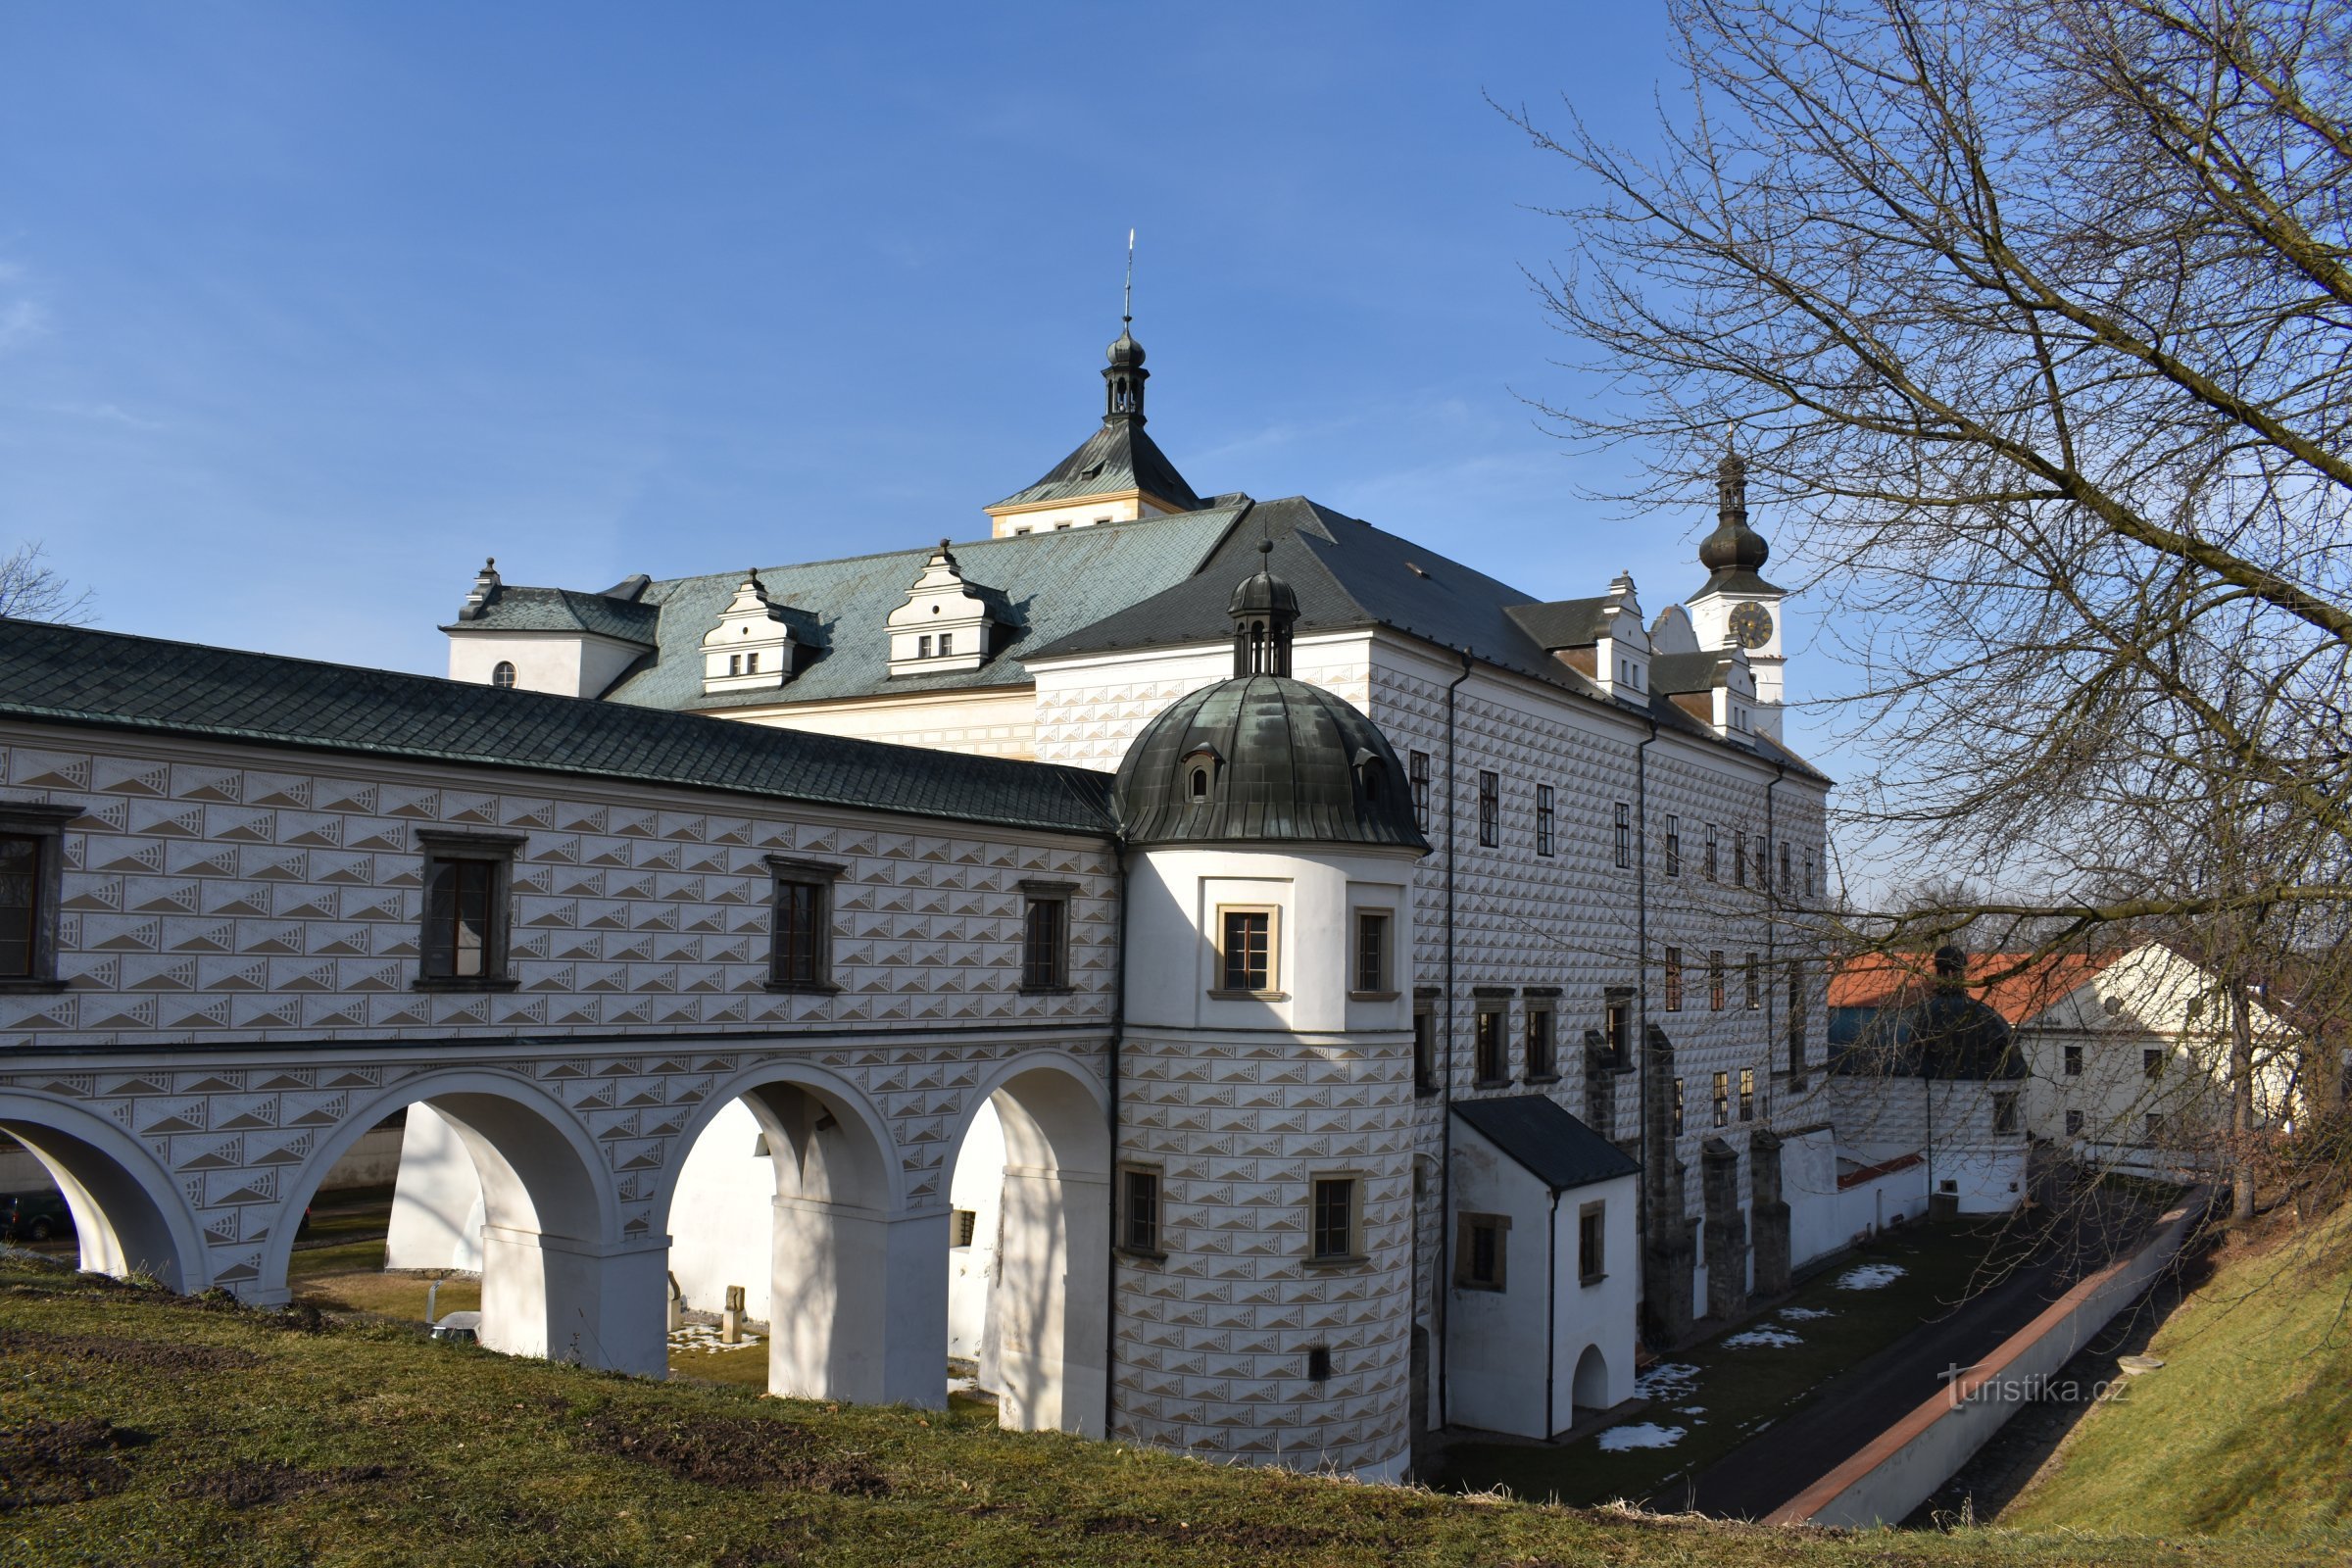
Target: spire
[(1734, 545), (1124, 377), (1265, 611)]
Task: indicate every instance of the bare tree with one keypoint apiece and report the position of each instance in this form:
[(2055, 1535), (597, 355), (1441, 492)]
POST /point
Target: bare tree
[(2036, 317), (32, 590)]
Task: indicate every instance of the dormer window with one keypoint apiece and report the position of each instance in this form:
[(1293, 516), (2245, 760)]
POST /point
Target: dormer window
[(955, 618), (502, 675), (752, 645), (1372, 774), (1198, 785), (1201, 766), (946, 644)]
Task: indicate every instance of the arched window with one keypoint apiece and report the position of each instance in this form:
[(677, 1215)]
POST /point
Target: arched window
[(1200, 784), (502, 675)]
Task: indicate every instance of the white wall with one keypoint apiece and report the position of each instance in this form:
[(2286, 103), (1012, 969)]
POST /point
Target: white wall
[(437, 1202), (569, 665), (722, 1221), (977, 1184)]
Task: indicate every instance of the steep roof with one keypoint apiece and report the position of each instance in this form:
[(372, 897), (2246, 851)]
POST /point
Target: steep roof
[(1349, 574), (74, 675), (1543, 1139), (1670, 674), (2016, 985), (566, 609), (1119, 456)]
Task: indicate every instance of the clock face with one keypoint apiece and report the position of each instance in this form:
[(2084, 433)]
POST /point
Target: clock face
[(1750, 624)]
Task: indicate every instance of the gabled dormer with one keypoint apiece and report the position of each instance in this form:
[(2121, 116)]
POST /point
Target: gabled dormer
[(1715, 686), (753, 646), (550, 639), (946, 624), (1601, 639)]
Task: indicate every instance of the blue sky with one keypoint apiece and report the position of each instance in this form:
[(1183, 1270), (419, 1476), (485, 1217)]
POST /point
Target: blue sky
[(306, 309)]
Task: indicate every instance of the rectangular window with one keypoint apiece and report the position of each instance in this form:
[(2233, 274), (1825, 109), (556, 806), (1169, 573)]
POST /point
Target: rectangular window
[(2152, 1128), (1592, 1231), (1425, 1054), (1723, 1098), (1617, 1025), (2074, 1061), (1417, 768), (1478, 1250), (1046, 937), (1714, 855), (1752, 974), (1139, 1211), (2004, 1113), (946, 644), (1678, 1107), (1808, 873), (464, 942), (1245, 950), (1625, 834), (1673, 846), (2074, 1124), (1715, 980), (1372, 953), (1739, 857), (1333, 1220), (1544, 820), (1673, 979), (965, 1225), (750, 663), (803, 955), (1494, 1056), (1763, 864), (922, 646), (1747, 1094), (1541, 1063), (1796, 1015), (2151, 1063), (734, 663), (1785, 885), (31, 879), (1490, 809)]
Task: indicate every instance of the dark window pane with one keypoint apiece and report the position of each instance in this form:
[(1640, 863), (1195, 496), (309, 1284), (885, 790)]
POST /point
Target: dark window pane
[(1245, 950), (1142, 1208), (1043, 949), (1371, 953), (20, 902), (800, 933), (1334, 1206)]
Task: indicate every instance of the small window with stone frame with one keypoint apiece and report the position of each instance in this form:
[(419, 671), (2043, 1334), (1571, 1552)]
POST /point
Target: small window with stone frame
[(1045, 936), (1678, 1107), (1714, 855), (1592, 1235), (1617, 1024), (1747, 1094), (1139, 1211), (1715, 980), (1248, 950), (1752, 977), (1335, 1221), (1490, 1040), (1425, 1052), (1673, 846), (1490, 809), (31, 881), (1740, 858), (2074, 1124), (801, 957), (2074, 1061), (1672, 971), (1478, 1250), (1723, 1098), (1547, 819), (1416, 768), (1371, 955), (1542, 1057), (1622, 831), (965, 1225), (2004, 1112), (468, 879)]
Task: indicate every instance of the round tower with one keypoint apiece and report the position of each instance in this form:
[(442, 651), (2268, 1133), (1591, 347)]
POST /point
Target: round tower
[(1263, 1207)]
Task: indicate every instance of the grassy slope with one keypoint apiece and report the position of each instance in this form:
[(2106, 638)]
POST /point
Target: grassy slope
[(2248, 1428), (245, 1424)]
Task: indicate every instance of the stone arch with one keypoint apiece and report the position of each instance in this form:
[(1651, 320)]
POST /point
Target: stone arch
[(555, 1271), (130, 1215), (1046, 1353), (1591, 1389), (850, 1313)]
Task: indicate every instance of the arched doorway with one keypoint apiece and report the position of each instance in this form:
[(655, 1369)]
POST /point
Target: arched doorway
[(129, 1215), (1590, 1390), (1043, 1328), (556, 1279), (786, 1184)]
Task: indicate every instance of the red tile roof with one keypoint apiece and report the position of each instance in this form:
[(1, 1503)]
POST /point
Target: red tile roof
[(2016, 985)]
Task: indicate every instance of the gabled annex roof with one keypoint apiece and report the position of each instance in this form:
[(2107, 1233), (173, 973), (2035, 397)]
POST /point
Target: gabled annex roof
[(1117, 458), (563, 609), (74, 675), (1542, 1137)]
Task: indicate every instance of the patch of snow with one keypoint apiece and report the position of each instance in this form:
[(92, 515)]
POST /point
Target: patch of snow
[(1767, 1336), (1668, 1380), (1804, 1314), (1690, 1409), (1870, 1276), (1641, 1435)]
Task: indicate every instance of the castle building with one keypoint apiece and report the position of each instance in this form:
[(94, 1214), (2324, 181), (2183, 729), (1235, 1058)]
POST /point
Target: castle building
[(1248, 980)]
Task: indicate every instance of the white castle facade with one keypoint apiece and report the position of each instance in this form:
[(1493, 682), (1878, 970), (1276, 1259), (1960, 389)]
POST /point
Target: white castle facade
[(1344, 1061)]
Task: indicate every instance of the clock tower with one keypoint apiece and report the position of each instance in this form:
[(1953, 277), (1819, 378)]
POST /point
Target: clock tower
[(1736, 608)]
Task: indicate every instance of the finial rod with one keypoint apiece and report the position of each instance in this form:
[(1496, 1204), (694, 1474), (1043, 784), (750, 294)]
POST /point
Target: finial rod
[(1127, 300)]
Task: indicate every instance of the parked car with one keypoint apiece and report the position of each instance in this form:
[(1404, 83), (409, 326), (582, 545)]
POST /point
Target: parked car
[(460, 1328), (33, 1216)]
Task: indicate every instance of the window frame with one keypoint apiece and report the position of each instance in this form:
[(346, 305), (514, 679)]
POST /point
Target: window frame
[(1674, 845), (1721, 1085), (1037, 896), (44, 824), (2008, 1112), (1591, 1242), (1795, 1025), (1416, 768), (1383, 981), (1272, 990), (1425, 1048), (1717, 988), (1752, 982), (2070, 1061), (1490, 809), (1150, 1246), (1678, 1107), (1747, 1094), (1355, 1255), (1467, 1227), (1499, 1032), (1546, 822), (1740, 858), (1670, 973), (503, 675), (1540, 1048), (1714, 867), (438, 847), (2075, 1123), (786, 871), (1617, 1024), (1623, 832)]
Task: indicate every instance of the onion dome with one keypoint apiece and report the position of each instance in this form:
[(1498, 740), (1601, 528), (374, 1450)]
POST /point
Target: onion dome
[(1734, 546), (1264, 758), (1261, 593), (1125, 353), (1948, 1034)]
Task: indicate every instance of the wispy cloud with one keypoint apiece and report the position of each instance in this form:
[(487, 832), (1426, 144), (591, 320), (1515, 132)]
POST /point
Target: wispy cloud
[(21, 322), (106, 414)]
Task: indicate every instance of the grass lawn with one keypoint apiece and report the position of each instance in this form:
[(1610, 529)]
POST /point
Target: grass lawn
[(1719, 1393), (338, 1263), (138, 1428), (2248, 1425)]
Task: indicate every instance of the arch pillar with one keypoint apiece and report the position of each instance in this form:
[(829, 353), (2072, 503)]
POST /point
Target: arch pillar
[(1051, 1300), (565, 1298), (129, 1216), (859, 1308)]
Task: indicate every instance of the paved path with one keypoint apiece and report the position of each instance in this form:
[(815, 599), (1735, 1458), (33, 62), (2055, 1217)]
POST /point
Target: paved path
[(1783, 1459)]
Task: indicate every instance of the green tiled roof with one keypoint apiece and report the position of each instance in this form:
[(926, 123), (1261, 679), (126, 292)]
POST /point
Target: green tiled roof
[(566, 609), (1116, 458), (74, 675)]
